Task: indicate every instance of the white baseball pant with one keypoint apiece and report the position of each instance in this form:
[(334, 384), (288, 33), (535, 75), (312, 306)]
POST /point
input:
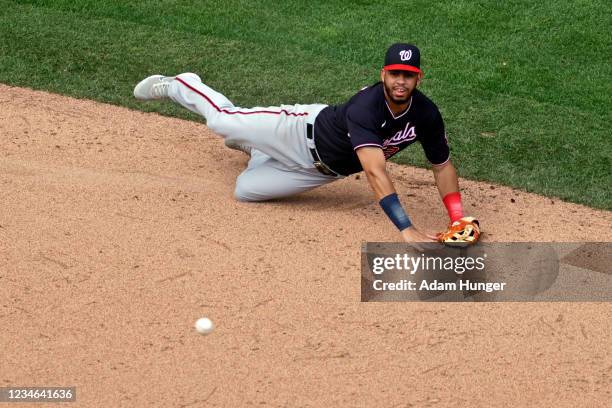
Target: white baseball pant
[(281, 163)]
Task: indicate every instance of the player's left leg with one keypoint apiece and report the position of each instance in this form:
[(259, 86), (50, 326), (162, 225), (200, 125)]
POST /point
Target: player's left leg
[(277, 131), (266, 178)]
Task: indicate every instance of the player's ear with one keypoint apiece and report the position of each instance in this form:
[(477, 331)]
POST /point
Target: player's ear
[(382, 74), (419, 77)]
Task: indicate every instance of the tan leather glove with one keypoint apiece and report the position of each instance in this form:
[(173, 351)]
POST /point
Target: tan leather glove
[(463, 232)]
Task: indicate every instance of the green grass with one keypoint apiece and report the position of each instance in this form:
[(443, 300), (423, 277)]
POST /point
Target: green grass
[(525, 87)]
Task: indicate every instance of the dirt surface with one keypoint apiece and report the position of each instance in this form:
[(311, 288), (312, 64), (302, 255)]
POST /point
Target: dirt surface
[(118, 230)]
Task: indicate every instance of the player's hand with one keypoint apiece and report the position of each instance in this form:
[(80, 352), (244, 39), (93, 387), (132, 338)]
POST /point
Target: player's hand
[(411, 234), (416, 238)]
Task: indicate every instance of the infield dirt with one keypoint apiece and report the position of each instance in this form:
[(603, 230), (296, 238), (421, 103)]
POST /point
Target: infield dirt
[(118, 230)]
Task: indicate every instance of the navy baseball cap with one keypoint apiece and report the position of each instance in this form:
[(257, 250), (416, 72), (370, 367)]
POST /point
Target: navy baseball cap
[(403, 57)]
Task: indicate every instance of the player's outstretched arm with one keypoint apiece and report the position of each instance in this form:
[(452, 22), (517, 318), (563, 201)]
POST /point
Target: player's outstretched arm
[(375, 167)]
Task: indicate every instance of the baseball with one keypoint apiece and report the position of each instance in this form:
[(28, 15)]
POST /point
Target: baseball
[(204, 325)]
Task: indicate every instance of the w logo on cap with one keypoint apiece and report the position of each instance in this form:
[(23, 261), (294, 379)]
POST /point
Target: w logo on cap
[(405, 55)]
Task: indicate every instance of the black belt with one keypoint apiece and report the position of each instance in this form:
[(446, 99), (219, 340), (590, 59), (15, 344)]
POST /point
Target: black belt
[(322, 167)]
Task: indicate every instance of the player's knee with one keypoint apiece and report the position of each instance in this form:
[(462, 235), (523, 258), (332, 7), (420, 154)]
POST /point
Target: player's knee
[(213, 123), (243, 193), (242, 197)]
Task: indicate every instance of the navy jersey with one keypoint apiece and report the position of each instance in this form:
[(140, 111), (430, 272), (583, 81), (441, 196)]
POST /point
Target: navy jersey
[(367, 120)]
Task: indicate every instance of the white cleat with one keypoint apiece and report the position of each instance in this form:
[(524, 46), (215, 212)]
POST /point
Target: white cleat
[(153, 87), (237, 146)]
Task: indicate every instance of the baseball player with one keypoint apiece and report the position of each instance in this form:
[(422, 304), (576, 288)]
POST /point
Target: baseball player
[(295, 148)]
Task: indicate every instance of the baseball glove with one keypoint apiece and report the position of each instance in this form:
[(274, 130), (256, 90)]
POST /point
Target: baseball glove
[(463, 232)]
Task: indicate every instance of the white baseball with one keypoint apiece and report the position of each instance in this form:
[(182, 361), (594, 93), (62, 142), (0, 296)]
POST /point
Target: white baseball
[(204, 325)]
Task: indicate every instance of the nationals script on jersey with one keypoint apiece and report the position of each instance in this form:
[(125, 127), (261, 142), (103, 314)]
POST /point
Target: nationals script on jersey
[(366, 120)]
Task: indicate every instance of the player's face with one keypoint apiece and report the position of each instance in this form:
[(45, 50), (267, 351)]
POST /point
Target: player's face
[(399, 85)]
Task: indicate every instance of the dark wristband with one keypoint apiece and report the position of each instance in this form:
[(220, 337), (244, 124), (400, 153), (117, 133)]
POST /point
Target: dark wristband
[(394, 210)]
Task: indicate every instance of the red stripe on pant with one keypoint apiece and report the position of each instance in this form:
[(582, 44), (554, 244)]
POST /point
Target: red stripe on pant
[(237, 112)]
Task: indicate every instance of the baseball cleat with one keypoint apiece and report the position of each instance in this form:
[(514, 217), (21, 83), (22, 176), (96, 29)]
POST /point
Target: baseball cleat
[(237, 146), (153, 87)]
